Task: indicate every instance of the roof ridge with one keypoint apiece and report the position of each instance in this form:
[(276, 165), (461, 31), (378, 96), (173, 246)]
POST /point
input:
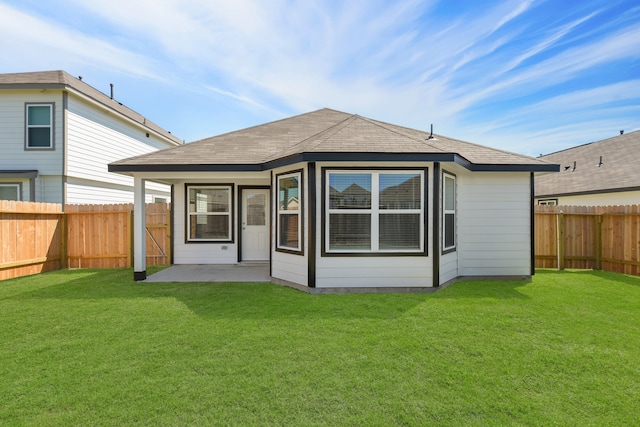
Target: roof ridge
[(592, 143), (395, 129)]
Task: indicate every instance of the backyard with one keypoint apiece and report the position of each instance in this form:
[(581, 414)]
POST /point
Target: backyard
[(92, 347)]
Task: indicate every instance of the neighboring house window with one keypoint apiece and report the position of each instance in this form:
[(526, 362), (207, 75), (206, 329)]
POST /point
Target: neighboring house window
[(10, 191), (289, 223), (209, 213), (548, 202), (159, 200), (374, 211), (448, 212), (39, 132)]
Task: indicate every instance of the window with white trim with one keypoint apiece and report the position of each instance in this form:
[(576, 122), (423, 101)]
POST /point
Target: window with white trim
[(374, 211), (448, 212), (10, 191), (548, 202), (39, 126), (289, 212), (209, 216)]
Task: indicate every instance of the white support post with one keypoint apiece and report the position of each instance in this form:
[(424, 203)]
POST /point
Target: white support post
[(139, 233)]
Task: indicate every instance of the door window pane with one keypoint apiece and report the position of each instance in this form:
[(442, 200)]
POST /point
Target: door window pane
[(256, 209)]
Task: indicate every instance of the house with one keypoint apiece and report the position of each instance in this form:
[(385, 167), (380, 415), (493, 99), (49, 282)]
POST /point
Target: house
[(378, 205), (596, 174), (58, 134)]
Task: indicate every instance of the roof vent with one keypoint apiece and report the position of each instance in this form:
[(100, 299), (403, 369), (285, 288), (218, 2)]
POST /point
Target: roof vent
[(621, 132), (111, 84), (80, 78), (600, 162), (431, 134)]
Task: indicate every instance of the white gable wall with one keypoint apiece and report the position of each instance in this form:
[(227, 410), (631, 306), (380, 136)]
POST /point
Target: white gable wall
[(493, 223), (95, 138)]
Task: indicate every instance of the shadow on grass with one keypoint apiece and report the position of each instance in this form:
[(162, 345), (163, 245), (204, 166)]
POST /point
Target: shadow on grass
[(614, 278), (212, 300), (491, 289)]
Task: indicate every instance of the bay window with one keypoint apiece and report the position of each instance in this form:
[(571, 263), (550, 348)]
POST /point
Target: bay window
[(374, 211), (448, 212), (289, 224), (209, 213)]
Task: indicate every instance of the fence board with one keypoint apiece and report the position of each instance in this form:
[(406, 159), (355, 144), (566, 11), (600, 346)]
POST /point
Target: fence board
[(593, 237), (37, 237)]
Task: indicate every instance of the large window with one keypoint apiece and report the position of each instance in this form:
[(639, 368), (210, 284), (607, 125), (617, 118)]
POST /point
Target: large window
[(449, 212), (290, 212), (374, 211), (9, 191), (209, 213), (39, 130)]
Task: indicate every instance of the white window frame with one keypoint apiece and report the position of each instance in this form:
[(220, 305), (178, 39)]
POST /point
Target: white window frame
[(449, 211), (28, 146), (16, 185), (548, 202), (229, 212), (297, 212), (375, 212)]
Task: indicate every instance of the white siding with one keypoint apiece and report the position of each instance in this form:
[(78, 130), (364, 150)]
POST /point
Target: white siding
[(96, 138), (494, 236), (12, 133), (285, 266), (81, 191), (604, 199), (350, 271), (208, 253)]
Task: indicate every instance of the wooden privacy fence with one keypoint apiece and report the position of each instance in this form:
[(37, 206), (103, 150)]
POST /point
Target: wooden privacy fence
[(588, 237), (38, 237)]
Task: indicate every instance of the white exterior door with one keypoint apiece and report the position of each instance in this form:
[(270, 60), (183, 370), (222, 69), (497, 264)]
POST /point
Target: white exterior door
[(255, 224)]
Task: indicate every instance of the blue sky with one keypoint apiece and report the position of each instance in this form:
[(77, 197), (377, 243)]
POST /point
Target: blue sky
[(531, 77)]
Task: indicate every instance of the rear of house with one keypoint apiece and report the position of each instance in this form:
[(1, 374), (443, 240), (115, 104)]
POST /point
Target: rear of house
[(601, 173), (334, 201), (58, 136)]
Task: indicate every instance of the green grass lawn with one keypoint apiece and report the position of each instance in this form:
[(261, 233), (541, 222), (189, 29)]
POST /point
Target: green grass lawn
[(92, 347)]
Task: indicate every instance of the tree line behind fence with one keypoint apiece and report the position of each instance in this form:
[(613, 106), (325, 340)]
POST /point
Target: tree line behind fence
[(38, 237)]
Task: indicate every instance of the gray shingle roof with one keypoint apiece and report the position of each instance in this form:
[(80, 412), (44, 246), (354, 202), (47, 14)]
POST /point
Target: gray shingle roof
[(321, 133), (618, 172), (64, 80)]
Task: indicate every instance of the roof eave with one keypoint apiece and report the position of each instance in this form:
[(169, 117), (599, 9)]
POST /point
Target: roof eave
[(335, 157)]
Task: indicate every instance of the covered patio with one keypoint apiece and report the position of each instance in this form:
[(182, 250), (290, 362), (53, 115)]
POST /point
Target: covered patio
[(243, 272)]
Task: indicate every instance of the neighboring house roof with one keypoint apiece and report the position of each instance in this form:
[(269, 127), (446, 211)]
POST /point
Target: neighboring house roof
[(324, 135), (604, 166), (63, 80)]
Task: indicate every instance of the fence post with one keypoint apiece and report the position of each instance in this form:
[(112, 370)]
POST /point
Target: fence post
[(64, 240), (560, 231), (598, 242)]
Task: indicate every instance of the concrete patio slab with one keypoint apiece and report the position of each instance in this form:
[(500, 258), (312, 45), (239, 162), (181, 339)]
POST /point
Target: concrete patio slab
[(252, 272)]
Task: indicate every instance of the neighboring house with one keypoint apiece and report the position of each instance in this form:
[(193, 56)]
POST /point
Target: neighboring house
[(600, 173), (57, 135), (377, 205)]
